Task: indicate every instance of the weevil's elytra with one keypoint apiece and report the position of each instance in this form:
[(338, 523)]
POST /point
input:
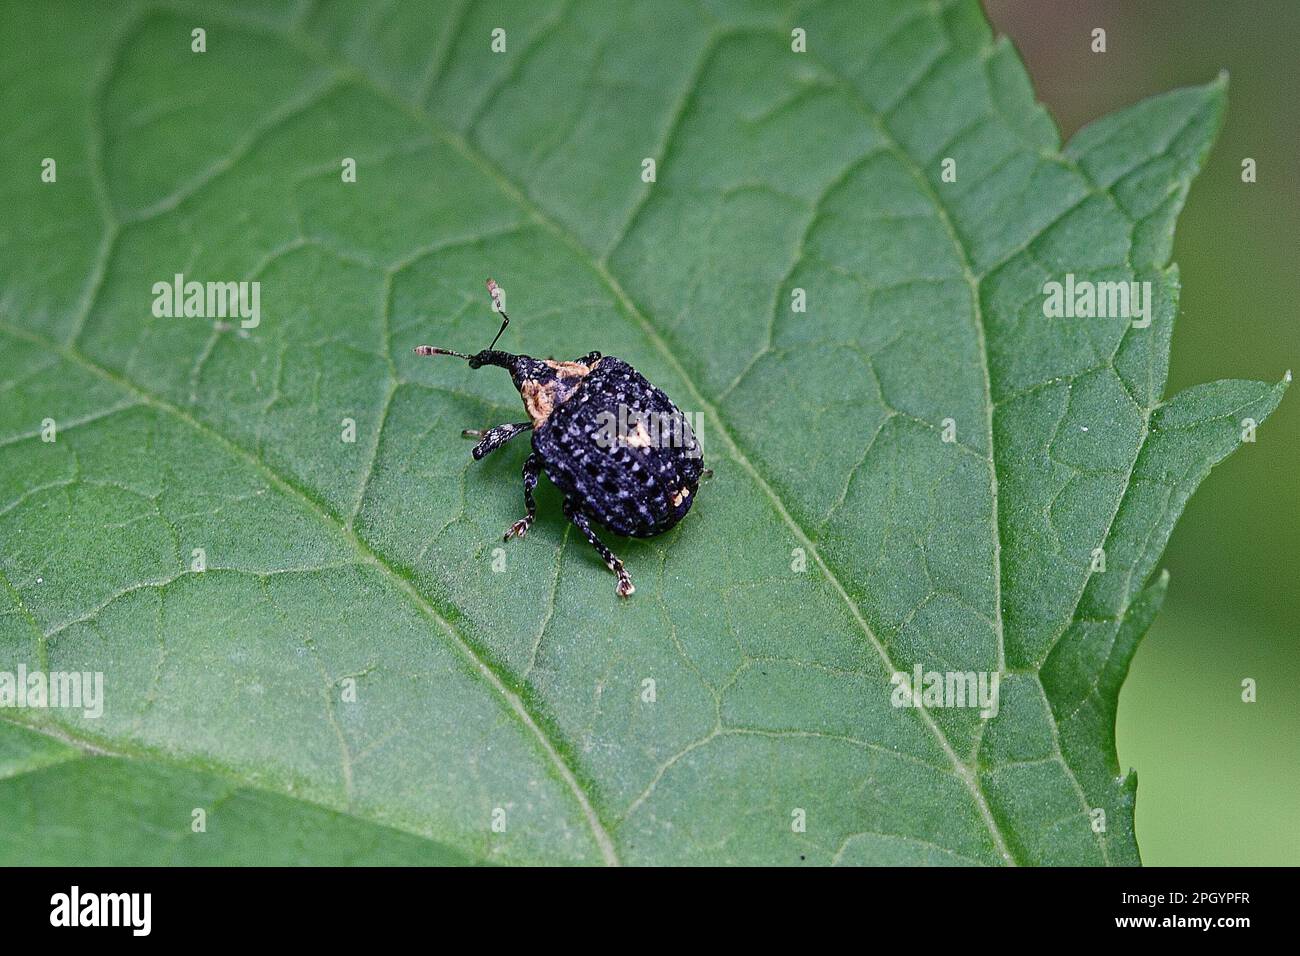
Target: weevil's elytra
[(625, 478)]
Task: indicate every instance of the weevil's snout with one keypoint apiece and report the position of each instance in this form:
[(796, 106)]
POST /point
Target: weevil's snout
[(506, 360), (503, 360)]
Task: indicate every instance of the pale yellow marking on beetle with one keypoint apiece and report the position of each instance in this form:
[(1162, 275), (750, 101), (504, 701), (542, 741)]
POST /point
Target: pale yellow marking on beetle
[(640, 438), (570, 369), (540, 398)]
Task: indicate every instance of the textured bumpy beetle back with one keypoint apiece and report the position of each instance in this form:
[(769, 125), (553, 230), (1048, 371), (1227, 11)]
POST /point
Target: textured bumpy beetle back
[(623, 455), (638, 478)]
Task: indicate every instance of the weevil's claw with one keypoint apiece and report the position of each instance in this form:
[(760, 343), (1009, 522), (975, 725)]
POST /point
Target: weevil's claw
[(472, 433), (518, 529), (624, 587)]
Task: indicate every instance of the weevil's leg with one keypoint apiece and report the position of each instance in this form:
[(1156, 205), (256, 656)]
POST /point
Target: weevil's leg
[(494, 438), (532, 468), (624, 587), (590, 359)]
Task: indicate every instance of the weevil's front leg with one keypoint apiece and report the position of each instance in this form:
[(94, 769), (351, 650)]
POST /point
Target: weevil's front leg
[(624, 587), (532, 468), (494, 438)]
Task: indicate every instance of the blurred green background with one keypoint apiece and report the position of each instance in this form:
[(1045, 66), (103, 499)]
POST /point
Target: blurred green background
[(1218, 779)]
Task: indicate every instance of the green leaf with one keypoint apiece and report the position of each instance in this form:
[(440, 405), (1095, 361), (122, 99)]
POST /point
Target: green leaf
[(333, 565)]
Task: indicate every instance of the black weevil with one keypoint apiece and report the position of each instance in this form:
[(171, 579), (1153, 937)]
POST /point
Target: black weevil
[(616, 446)]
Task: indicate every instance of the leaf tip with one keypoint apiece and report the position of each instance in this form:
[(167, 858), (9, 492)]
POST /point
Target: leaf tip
[(1216, 92), (1216, 96)]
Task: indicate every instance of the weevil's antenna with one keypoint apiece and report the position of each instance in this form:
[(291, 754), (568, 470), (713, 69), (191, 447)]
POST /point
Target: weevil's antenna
[(434, 350), (498, 303)]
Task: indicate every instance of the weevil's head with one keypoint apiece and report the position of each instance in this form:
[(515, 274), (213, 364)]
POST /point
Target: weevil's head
[(543, 384)]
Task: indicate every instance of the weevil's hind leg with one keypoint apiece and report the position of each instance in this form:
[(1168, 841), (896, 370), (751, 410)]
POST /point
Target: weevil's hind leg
[(494, 438), (532, 468), (624, 587)]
